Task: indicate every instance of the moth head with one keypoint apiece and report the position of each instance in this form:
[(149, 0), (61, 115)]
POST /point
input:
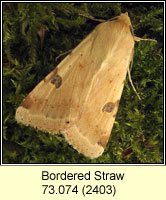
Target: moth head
[(125, 19)]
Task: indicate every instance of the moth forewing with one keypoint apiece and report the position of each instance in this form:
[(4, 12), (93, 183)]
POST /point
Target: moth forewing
[(80, 97)]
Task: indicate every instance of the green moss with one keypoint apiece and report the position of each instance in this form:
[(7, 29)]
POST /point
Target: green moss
[(27, 60)]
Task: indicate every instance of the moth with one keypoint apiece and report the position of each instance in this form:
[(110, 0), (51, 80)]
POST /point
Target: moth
[(80, 97)]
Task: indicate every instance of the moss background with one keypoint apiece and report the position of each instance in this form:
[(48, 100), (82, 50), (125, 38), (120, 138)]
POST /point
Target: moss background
[(137, 136)]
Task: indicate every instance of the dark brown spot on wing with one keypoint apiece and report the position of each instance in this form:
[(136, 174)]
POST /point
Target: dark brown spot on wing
[(108, 107), (117, 102), (27, 102), (56, 70), (56, 80), (80, 65), (103, 141)]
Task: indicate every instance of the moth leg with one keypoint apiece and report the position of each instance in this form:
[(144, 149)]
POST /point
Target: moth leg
[(66, 52), (137, 39)]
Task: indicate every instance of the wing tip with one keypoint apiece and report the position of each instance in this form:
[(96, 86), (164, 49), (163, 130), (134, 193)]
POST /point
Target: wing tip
[(82, 144)]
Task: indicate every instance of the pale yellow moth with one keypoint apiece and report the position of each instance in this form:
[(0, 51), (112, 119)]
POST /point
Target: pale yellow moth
[(80, 97)]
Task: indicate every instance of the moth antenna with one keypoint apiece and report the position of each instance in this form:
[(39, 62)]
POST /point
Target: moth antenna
[(128, 71), (63, 54), (92, 18)]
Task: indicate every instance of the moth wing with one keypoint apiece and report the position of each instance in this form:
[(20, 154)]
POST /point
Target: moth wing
[(57, 101), (80, 97), (99, 112)]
